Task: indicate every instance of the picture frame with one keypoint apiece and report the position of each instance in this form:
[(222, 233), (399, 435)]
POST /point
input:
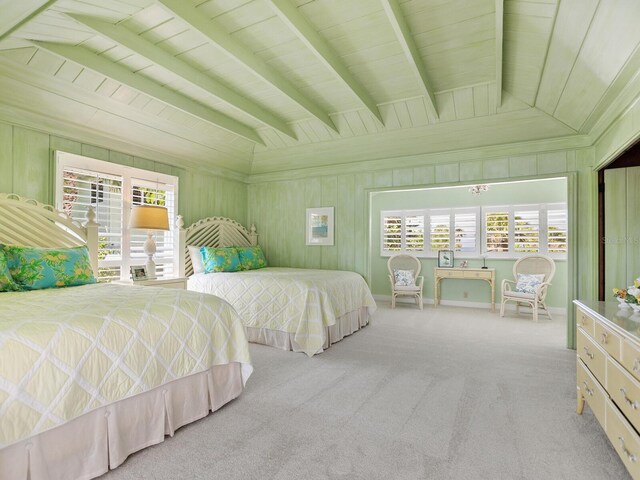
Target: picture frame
[(445, 258), (320, 226), (139, 273)]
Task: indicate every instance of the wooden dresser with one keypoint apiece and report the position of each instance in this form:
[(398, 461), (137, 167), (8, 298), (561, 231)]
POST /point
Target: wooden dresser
[(608, 374)]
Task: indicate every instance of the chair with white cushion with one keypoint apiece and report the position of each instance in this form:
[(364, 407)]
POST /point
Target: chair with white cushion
[(533, 275), (404, 275)]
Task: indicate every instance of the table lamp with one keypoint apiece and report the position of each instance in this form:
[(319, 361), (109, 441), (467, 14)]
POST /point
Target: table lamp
[(150, 218)]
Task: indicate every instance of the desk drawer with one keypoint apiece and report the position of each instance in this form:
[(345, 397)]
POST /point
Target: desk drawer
[(624, 439), (607, 339), (475, 274), (592, 391), (585, 321), (450, 273), (630, 358), (592, 355), (624, 391)]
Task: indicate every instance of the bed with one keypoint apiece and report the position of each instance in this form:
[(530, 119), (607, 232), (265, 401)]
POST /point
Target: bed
[(90, 374), (302, 310)]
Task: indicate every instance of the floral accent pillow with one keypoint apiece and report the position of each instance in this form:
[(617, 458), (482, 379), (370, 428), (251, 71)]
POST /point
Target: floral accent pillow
[(224, 259), (7, 283), (527, 283), (35, 268), (251, 258), (404, 278)]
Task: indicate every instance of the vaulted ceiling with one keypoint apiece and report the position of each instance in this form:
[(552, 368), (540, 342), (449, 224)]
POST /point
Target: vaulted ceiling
[(255, 86)]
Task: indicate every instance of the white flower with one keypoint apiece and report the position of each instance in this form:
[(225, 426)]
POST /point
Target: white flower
[(633, 291)]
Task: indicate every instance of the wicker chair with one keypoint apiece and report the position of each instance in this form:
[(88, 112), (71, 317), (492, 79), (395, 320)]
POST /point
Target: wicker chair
[(405, 262), (530, 264)]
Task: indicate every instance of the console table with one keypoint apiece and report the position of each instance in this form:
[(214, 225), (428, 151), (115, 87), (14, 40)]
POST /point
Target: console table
[(486, 274)]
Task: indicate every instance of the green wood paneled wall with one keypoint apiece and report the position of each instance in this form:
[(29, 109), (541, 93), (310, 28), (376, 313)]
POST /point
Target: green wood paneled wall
[(27, 166)]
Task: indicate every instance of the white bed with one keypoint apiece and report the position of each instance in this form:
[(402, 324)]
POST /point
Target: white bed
[(91, 374), (302, 310)]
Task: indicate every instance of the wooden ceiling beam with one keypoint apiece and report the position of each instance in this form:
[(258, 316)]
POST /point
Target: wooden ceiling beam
[(244, 56), (289, 14), (160, 57), (120, 74), (403, 33), (499, 46), (17, 13)]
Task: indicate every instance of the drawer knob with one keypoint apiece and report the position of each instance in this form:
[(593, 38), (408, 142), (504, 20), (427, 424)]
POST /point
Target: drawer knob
[(588, 353), (583, 319), (603, 338), (636, 365), (588, 390), (632, 403), (630, 456)]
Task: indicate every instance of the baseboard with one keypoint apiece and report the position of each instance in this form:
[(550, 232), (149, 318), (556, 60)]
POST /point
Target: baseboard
[(510, 307)]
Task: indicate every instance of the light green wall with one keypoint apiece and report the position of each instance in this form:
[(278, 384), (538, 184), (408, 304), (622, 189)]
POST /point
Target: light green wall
[(537, 191), (27, 168)]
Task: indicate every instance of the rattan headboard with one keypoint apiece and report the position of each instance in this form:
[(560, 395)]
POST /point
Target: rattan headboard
[(27, 222), (211, 232)]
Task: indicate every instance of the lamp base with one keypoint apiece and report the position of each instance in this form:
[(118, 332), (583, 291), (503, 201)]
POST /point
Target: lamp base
[(484, 268), (150, 250)]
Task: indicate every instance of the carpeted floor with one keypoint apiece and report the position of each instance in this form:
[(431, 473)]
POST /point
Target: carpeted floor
[(446, 393)]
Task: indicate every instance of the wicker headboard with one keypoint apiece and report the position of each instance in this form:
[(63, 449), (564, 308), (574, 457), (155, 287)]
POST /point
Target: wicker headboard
[(211, 232), (30, 223)]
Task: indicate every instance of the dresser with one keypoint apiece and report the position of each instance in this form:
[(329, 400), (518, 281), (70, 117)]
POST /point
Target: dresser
[(486, 274), (608, 374)]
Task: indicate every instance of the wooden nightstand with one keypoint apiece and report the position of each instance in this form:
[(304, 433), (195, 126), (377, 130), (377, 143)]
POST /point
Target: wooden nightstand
[(173, 282)]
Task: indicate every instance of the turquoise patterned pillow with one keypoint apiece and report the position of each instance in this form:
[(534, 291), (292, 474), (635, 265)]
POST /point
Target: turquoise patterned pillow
[(36, 268), (7, 283), (224, 259), (528, 283), (251, 258)]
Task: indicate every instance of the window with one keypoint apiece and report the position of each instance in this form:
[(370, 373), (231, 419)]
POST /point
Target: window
[(500, 232), (111, 190), (402, 231)]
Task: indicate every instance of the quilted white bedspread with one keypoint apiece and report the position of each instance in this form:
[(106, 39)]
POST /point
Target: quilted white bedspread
[(299, 301), (64, 352)]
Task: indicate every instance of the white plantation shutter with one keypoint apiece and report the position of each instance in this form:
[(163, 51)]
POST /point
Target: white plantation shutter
[(496, 227), (557, 230), (466, 230), (526, 230), (150, 193), (391, 233), (82, 189), (440, 231), (414, 233)]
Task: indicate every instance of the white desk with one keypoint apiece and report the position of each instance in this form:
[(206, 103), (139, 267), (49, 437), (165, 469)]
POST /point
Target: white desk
[(486, 274)]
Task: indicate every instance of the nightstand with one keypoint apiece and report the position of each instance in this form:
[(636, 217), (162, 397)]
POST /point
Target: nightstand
[(173, 282)]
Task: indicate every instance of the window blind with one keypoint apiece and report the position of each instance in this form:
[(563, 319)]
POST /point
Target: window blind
[(526, 231), (391, 233), (439, 232), (496, 226), (557, 230), (466, 232), (414, 233)]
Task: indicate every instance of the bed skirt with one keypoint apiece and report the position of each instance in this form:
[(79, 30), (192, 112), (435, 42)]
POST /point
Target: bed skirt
[(344, 326), (89, 445)]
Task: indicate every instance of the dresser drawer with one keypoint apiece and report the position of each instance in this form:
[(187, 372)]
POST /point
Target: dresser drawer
[(473, 274), (624, 390), (592, 355), (624, 439), (607, 339), (592, 391), (585, 322), (630, 358)]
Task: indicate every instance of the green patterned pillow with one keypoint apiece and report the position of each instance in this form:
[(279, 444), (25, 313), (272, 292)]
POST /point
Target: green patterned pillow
[(7, 283), (223, 259), (36, 268), (251, 258)]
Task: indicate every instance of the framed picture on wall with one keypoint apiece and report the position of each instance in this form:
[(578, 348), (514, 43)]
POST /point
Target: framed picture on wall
[(320, 226), (445, 258)]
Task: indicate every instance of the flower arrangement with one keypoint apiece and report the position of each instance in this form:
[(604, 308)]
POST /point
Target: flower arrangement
[(629, 295)]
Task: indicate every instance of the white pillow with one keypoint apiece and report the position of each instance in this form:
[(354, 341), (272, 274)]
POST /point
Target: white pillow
[(404, 278), (528, 283), (196, 259)]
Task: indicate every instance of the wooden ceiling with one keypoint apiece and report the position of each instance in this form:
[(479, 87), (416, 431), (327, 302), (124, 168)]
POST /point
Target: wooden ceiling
[(254, 86)]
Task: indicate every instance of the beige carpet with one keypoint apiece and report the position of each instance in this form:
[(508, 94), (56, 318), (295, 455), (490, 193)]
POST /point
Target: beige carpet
[(446, 393)]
